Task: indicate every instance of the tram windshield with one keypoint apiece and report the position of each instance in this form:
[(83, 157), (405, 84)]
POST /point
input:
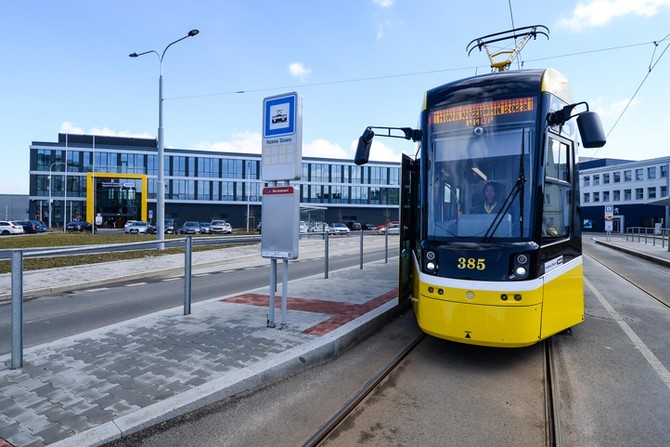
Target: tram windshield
[(479, 182)]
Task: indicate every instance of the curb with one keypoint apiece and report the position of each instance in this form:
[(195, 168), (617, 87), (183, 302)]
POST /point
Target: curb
[(639, 254)]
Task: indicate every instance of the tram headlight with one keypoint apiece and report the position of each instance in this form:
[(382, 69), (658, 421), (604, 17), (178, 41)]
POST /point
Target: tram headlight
[(521, 266), (430, 262)]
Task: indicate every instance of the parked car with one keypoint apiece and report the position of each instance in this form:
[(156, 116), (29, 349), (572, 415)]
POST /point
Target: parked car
[(128, 223), (205, 228), (354, 226), (29, 226), (167, 229), (190, 227), (78, 225), (41, 226), (220, 226), (368, 227), (9, 227), (338, 228), (318, 227), (137, 227), (392, 228)]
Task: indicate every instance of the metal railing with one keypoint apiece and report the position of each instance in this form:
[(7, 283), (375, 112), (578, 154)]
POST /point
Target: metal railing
[(18, 255), (649, 235)]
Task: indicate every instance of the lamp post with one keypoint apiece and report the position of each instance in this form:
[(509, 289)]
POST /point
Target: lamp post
[(50, 199), (160, 185)]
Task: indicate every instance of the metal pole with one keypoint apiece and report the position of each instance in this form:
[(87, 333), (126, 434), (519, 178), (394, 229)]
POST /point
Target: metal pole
[(386, 246), (65, 189), (284, 295), (273, 289), (160, 184), (50, 197), (17, 309), (361, 249), (187, 274), (326, 255)]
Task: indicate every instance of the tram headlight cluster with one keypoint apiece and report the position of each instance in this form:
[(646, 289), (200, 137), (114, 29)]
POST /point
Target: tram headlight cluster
[(521, 266), (430, 262)]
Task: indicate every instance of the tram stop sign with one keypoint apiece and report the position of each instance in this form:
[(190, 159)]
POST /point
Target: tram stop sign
[(281, 222)]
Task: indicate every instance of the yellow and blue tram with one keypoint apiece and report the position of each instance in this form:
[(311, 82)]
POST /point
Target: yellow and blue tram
[(491, 250)]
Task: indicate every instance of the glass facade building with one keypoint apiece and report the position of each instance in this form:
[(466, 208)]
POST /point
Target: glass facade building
[(200, 184)]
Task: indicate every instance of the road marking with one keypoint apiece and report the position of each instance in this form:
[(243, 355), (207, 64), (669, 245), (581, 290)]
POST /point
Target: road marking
[(170, 279), (137, 284), (97, 290), (656, 364)]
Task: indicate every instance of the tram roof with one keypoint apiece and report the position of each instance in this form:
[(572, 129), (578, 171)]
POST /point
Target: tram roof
[(499, 84)]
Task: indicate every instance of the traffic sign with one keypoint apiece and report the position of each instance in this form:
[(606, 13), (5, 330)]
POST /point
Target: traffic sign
[(282, 138)]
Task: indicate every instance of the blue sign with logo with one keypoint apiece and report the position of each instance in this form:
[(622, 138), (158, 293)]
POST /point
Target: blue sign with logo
[(279, 115)]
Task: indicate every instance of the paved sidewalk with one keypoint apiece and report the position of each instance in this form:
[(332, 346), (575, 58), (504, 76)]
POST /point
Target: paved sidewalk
[(652, 250), (95, 387)]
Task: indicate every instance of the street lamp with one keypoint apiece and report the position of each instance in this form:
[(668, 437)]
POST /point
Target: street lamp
[(50, 200), (160, 198)]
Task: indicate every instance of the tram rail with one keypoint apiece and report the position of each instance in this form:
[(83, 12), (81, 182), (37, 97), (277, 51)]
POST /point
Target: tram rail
[(553, 429)]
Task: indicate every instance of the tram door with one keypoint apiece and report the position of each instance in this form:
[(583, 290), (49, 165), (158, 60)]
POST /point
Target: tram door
[(409, 187)]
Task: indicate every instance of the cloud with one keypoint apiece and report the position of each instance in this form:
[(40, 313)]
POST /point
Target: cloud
[(595, 13), (383, 3), (71, 128), (381, 152), (612, 110), (298, 70), (245, 142)]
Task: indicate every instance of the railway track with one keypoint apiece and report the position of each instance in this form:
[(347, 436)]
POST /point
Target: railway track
[(328, 433)]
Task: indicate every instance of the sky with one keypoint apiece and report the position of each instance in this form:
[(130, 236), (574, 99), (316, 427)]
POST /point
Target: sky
[(65, 69)]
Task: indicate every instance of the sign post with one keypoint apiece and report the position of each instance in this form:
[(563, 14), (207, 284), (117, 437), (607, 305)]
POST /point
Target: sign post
[(280, 213), (609, 220)]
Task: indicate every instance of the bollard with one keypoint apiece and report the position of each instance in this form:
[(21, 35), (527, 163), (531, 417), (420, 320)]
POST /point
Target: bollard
[(326, 255), (361, 249), (386, 246), (187, 274), (17, 309)]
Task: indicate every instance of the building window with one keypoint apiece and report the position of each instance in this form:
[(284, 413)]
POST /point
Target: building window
[(596, 180), (596, 197), (627, 176), (664, 171), (651, 192), (664, 191), (606, 196), (587, 180), (627, 195), (606, 179), (651, 173), (639, 174), (587, 197), (639, 193), (617, 196), (616, 176)]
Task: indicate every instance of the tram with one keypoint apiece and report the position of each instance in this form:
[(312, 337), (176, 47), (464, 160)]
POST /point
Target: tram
[(490, 241)]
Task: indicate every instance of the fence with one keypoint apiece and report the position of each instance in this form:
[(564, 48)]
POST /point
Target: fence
[(17, 256), (649, 235)]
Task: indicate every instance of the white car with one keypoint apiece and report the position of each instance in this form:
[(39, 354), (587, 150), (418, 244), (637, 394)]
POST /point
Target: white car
[(338, 228), (9, 227), (136, 227), (220, 226)]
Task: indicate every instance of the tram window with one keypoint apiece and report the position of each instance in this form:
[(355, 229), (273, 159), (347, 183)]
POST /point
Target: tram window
[(556, 215)]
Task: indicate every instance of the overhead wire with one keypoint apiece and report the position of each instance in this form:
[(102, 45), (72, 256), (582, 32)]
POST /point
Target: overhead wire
[(652, 65)]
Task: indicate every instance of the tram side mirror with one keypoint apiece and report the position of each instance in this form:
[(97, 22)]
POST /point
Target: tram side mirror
[(591, 130), (363, 149)]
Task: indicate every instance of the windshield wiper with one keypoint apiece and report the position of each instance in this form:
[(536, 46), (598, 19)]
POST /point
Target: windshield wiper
[(518, 187)]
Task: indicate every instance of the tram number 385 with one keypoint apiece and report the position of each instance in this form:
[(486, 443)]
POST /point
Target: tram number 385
[(471, 264)]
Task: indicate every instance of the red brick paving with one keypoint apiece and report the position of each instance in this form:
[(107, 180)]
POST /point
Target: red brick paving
[(342, 312)]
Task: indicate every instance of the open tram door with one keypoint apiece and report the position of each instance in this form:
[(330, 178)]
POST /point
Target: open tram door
[(409, 186)]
